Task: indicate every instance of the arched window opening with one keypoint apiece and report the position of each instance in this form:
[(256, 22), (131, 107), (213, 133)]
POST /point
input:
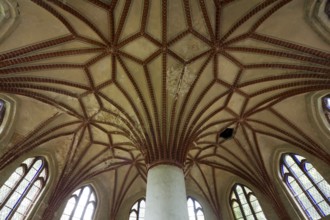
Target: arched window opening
[(138, 210), (308, 187), (326, 106), (245, 204), (81, 204), (20, 191), (327, 8), (195, 210), (2, 110)]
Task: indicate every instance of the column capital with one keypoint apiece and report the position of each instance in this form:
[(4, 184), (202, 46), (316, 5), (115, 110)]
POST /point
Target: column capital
[(165, 162)]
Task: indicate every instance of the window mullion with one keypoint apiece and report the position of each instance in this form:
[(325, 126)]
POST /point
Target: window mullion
[(249, 203), (310, 198), (312, 181), (138, 210), (27, 189), (240, 204), (76, 203), (89, 196), (195, 209), (12, 190)]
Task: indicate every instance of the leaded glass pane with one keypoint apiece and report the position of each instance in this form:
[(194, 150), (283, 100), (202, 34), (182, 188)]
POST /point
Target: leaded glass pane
[(22, 186), (33, 192), (256, 207), (305, 182), (317, 197), (132, 216), (37, 164), (19, 192), (92, 198), (315, 175), (28, 162), (18, 216), (325, 188), (261, 216), (82, 202), (242, 198), (312, 183), (69, 206), (23, 207), (312, 213), (300, 158), (295, 187), (296, 170), (247, 210), (65, 217), (13, 200), (242, 206), (325, 207), (5, 190), (4, 212), (250, 217), (195, 210), (289, 161), (304, 201), (89, 212), (237, 212), (13, 179)]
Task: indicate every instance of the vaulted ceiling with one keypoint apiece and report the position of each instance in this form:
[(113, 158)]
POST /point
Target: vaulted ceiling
[(114, 87)]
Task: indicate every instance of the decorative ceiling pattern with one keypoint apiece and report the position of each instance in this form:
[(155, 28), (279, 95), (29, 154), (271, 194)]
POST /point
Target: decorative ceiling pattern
[(136, 83)]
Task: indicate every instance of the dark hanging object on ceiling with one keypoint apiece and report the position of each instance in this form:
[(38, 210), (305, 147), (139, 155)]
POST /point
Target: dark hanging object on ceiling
[(327, 8), (227, 133)]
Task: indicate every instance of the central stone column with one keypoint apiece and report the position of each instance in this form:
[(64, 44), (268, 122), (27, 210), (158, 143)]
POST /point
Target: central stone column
[(166, 193)]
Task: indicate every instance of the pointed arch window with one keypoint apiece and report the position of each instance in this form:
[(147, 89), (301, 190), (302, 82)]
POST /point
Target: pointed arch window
[(195, 210), (245, 204), (326, 106), (308, 187), (81, 204), (138, 210), (22, 188), (2, 110)]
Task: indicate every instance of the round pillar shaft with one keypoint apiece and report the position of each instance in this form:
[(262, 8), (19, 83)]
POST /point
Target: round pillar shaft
[(166, 194)]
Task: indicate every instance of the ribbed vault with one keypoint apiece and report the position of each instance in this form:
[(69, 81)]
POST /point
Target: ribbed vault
[(126, 84)]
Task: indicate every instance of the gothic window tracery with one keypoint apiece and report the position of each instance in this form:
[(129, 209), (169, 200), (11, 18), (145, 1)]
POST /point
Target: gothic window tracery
[(195, 210), (306, 184), (81, 204), (20, 191), (245, 204), (138, 210)]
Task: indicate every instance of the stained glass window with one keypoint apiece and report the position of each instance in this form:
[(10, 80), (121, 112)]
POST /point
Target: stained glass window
[(81, 205), (138, 210), (326, 106), (245, 204), (195, 210), (2, 110), (20, 191), (307, 185)]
